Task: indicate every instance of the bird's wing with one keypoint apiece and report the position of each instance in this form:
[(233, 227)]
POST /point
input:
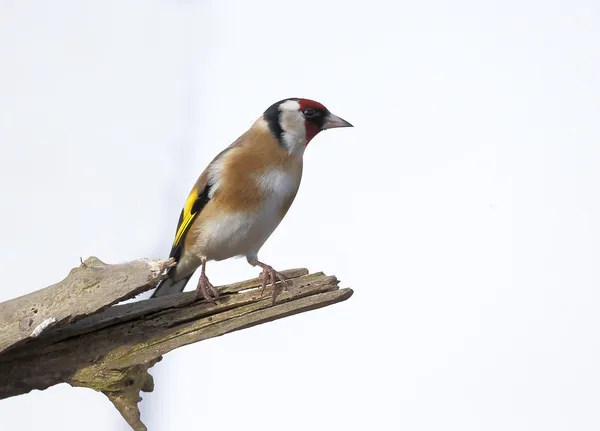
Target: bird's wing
[(195, 202)]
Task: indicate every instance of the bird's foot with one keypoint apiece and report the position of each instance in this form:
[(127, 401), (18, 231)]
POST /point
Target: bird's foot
[(206, 289), (270, 276)]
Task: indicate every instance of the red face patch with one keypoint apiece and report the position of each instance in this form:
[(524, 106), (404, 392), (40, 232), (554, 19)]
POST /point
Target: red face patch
[(307, 103), (312, 128)]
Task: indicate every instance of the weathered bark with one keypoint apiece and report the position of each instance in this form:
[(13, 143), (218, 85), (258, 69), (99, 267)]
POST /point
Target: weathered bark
[(67, 333)]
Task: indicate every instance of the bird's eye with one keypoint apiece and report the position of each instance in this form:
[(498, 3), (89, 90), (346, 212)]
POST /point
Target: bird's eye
[(310, 113)]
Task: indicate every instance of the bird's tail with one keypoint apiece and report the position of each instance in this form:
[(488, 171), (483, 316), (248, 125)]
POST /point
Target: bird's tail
[(168, 286)]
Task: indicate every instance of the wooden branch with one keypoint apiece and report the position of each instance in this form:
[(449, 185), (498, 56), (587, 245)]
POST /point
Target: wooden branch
[(89, 288), (67, 333)]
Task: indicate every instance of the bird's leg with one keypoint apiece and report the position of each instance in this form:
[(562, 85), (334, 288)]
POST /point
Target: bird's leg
[(205, 287), (269, 276)]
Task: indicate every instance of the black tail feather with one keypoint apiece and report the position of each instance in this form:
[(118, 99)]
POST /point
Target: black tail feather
[(169, 287)]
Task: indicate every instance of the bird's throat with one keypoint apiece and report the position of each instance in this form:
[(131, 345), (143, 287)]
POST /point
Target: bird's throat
[(311, 131)]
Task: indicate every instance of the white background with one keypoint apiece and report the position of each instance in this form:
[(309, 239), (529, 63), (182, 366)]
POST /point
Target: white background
[(462, 208)]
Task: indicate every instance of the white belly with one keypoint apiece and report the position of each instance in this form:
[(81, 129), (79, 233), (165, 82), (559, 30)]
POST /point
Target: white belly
[(244, 233), (238, 234)]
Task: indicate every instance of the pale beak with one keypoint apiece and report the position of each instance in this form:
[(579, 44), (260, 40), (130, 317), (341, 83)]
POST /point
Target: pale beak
[(333, 121)]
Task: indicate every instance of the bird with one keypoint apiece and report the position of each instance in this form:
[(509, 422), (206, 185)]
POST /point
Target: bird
[(243, 194)]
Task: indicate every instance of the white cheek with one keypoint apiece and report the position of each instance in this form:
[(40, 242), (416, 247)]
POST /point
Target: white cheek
[(294, 132)]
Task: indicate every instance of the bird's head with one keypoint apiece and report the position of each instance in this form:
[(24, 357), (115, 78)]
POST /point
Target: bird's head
[(294, 122)]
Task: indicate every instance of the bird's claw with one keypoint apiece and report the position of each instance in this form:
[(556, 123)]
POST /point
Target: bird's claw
[(270, 276), (206, 289)]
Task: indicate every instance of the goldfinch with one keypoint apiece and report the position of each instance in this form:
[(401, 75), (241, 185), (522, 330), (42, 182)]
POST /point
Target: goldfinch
[(244, 193)]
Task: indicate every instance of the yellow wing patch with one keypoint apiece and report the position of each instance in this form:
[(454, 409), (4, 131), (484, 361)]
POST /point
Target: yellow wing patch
[(188, 216)]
